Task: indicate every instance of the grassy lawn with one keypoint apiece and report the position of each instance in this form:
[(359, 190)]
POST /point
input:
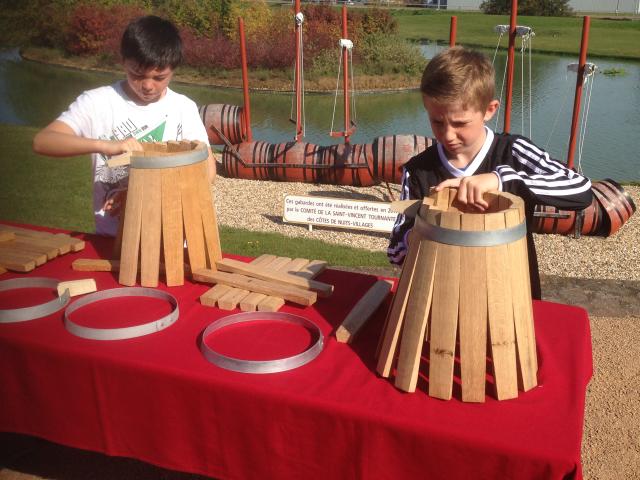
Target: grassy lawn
[(615, 38), (56, 192)]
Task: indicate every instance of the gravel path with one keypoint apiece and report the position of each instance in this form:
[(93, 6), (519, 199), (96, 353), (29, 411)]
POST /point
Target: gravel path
[(616, 257)]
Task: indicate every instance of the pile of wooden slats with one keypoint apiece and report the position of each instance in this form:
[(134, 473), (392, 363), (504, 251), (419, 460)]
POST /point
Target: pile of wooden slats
[(22, 249), (263, 284)]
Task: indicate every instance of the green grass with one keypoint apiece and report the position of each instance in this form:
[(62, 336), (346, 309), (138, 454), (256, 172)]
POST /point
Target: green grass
[(610, 38), (56, 192)]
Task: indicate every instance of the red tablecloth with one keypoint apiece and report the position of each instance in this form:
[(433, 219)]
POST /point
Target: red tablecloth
[(155, 398)]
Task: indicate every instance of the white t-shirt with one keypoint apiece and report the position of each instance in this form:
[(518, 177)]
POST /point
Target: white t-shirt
[(108, 113)]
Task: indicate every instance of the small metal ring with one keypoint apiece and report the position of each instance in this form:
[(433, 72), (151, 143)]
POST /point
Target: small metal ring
[(125, 332), (37, 311), (261, 366)]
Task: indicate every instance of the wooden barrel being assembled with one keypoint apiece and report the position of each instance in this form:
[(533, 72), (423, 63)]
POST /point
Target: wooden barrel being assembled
[(342, 164), (610, 208), (168, 194), (465, 280), (222, 120), (390, 153)]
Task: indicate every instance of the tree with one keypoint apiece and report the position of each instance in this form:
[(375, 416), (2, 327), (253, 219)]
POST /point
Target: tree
[(544, 8)]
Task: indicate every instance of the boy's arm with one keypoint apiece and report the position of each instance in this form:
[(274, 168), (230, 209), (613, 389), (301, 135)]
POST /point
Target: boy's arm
[(533, 174), (59, 140), (398, 245)]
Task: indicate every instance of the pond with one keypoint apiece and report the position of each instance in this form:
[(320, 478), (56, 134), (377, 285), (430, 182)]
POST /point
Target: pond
[(34, 94)]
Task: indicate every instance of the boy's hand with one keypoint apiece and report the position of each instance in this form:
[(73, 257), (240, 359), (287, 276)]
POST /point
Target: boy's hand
[(116, 147), (471, 189)]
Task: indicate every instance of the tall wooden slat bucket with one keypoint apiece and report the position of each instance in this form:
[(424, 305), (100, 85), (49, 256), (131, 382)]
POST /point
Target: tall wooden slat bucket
[(465, 280), (168, 198)]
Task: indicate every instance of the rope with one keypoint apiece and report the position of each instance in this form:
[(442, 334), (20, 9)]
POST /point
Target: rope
[(354, 113), (335, 97), (585, 117), (530, 93), (503, 78), (564, 102)]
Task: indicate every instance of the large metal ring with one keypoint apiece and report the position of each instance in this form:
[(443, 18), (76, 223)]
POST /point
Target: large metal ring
[(261, 366), (125, 332), (178, 159), (467, 238), (37, 311)]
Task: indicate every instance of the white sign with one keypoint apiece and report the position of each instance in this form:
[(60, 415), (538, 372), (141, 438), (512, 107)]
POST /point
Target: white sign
[(339, 213)]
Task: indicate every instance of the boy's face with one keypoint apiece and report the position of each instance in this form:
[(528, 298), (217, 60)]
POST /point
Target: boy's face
[(146, 86), (460, 130)]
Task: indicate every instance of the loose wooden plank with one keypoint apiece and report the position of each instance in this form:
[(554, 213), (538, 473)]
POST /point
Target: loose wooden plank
[(287, 292), (363, 310), (172, 231), (395, 316), (473, 315), (20, 264), (23, 244), (192, 217), (211, 296), (312, 269), (279, 264), (77, 287), (64, 242), (230, 300), (251, 301), (270, 304), (444, 313), (501, 329), (3, 270), (95, 265), (263, 260), (20, 256), (235, 266), (416, 318), (151, 228), (295, 265), (132, 228)]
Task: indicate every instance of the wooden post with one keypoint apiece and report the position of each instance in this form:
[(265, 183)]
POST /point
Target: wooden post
[(453, 28), (245, 81), (586, 21), (510, 62)]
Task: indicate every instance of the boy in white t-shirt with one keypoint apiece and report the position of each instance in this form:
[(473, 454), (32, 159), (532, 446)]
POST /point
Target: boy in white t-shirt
[(114, 119)]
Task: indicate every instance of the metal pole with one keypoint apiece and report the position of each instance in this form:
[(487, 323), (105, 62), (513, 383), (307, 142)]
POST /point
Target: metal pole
[(510, 61), (245, 81), (452, 31), (579, 82), (345, 76), (298, 75)]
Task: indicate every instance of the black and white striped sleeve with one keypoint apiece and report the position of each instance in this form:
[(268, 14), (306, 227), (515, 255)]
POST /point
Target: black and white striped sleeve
[(397, 249), (533, 173)]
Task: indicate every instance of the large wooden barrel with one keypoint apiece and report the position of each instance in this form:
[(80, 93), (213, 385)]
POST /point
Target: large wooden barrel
[(610, 208), (223, 120), (342, 164), (617, 205), (465, 280), (390, 153)]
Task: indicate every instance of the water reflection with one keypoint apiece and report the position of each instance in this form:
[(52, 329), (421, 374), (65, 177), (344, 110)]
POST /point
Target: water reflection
[(34, 94)]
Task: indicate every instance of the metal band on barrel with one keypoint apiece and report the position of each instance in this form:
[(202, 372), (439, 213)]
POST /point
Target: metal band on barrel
[(125, 332), (179, 159), (261, 366), (37, 311), (465, 238)]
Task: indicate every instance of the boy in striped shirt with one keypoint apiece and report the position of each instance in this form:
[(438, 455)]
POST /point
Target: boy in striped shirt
[(458, 91)]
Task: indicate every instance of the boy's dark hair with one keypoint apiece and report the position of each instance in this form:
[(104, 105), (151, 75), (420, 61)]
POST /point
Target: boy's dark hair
[(459, 75), (152, 42)]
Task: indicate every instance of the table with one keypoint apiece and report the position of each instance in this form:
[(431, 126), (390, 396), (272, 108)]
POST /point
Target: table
[(156, 399)]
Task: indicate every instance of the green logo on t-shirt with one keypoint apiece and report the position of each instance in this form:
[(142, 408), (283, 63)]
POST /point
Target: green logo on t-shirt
[(154, 135)]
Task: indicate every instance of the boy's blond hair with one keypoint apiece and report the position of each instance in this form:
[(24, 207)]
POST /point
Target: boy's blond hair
[(457, 75)]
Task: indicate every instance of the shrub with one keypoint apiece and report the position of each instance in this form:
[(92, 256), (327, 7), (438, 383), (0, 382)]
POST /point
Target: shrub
[(383, 54), (546, 8), (96, 29), (202, 17)]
